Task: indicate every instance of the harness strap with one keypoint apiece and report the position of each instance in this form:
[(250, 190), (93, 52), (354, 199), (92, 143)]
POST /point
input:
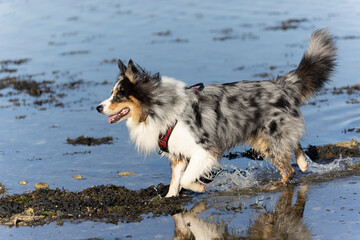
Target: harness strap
[(198, 86), (164, 139)]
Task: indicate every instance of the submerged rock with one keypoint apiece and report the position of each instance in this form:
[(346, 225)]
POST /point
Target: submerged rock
[(350, 144), (78, 177), (41, 185), (23, 182), (125, 173)]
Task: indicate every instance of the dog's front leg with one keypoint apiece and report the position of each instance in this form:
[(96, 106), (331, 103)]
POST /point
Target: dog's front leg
[(201, 162), (178, 166)]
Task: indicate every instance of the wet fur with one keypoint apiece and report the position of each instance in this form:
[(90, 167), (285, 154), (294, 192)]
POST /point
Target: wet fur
[(262, 114)]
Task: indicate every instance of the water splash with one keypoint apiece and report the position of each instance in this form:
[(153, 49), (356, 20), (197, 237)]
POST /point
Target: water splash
[(263, 174), (232, 178), (340, 164)]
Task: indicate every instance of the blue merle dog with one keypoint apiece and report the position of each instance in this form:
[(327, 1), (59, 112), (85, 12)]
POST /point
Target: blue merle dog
[(205, 123)]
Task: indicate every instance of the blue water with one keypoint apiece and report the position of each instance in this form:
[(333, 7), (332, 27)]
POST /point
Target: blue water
[(178, 39)]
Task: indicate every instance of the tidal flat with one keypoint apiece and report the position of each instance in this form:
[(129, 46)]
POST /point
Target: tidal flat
[(59, 60)]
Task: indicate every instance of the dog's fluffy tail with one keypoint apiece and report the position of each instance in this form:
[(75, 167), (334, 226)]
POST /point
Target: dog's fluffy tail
[(315, 68)]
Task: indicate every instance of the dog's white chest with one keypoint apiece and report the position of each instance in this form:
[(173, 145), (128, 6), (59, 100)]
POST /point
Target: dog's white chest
[(181, 141)]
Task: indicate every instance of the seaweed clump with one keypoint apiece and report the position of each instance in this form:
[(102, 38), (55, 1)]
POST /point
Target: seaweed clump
[(347, 89), (4, 65), (103, 203), (288, 24), (33, 88), (330, 152), (89, 141)]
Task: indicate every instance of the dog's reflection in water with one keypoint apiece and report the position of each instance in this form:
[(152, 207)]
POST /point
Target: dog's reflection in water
[(284, 222), (189, 226)]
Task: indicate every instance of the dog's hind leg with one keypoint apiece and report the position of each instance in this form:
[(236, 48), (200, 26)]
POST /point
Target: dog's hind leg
[(201, 163), (283, 164), (287, 173), (300, 159), (178, 166)]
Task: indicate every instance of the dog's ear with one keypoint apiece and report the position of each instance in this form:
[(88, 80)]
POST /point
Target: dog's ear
[(122, 67), (131, 71)]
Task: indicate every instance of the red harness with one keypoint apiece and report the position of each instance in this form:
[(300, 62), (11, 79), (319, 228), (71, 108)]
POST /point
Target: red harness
[(164, 139)]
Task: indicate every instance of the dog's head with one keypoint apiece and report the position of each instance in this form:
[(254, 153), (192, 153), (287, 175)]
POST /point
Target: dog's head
[(131, 96)]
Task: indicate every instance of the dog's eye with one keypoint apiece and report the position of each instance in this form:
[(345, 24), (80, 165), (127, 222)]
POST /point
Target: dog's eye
[(121, 92)]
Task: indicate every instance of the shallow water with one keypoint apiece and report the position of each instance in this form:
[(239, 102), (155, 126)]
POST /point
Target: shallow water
[(216, 41)]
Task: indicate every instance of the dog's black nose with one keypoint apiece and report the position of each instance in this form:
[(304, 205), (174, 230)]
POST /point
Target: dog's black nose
[(99, 108)]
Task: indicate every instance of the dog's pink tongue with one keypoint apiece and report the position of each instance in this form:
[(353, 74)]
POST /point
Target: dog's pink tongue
[(110, 118)]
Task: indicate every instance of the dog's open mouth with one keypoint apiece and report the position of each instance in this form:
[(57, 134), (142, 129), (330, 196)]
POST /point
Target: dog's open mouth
[(116, 117)]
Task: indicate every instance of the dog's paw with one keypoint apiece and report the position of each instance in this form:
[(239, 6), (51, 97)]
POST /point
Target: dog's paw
[(199, 187), (302, 163), (195, 187), (171, 194)]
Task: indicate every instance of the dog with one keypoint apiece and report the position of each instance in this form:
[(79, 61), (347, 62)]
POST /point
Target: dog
[(194, 126)]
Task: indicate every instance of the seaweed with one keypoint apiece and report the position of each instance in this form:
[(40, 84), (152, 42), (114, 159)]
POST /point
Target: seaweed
[(105, 203), (330, 152), (89, 141)]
